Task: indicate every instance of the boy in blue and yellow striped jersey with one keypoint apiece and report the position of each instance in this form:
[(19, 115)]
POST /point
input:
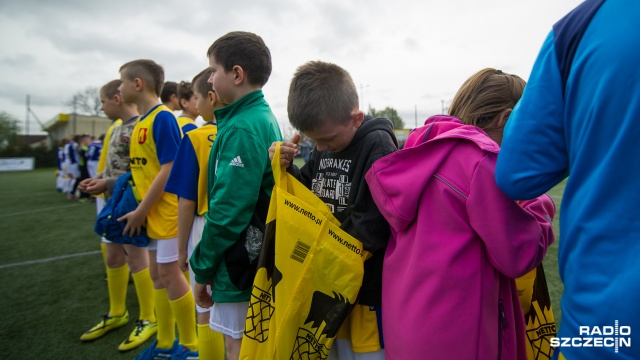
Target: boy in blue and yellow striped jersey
[(154, 144), (188, 180)]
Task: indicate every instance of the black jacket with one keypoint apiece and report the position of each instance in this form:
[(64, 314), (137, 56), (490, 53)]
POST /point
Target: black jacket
[(338, 179)]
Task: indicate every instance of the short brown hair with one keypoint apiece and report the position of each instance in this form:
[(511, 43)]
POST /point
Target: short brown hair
[(320, 92), (169, 88), (245, 49), (484, 96), (200, 82), (110, 89), (184, 92), (147, 70)]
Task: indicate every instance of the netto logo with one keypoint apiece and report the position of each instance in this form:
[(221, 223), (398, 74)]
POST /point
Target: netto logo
[(597, 336), (138, 161)]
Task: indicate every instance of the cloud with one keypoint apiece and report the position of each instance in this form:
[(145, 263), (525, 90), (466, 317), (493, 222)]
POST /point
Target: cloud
[(408, 53), (18, 60)]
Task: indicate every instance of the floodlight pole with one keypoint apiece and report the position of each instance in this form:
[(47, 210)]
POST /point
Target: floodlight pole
[(28, 114)]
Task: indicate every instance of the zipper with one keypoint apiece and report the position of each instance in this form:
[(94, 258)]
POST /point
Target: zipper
[(502, 324), (451, 186)]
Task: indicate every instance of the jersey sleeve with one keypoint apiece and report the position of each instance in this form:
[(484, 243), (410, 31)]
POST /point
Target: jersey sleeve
[(167, 136), (188, 127), (534, 156), (183, 179)]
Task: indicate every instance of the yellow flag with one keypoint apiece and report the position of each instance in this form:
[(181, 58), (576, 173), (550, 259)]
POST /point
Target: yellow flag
[(308, 278)]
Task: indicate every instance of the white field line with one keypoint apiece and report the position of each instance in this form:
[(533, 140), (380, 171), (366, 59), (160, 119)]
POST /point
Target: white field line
[(39, 261), (37, 210)]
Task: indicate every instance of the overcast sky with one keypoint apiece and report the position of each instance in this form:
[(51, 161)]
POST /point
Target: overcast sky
[(404, 54)]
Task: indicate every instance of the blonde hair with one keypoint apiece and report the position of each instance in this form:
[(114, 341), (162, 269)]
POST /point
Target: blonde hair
[(486, 95), (110, 89)]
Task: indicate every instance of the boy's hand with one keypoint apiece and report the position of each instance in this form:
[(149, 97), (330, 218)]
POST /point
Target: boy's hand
[(135, 222), (183, 260), (288, 150), (201, 296), (83, 184), (94, 186)]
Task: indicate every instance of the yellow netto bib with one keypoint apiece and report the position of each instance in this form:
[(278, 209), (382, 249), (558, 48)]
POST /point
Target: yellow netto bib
[(102, 161), (184, 120), (162, 219), (202, 139)]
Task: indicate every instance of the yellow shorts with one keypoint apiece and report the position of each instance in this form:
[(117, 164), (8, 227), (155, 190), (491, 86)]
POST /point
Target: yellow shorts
[(362, 329)]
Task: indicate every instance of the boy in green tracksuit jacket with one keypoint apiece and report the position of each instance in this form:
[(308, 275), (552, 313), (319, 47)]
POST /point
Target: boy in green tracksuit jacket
[(240, 184)]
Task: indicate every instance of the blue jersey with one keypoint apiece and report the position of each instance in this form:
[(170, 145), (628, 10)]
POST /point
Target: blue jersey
[(94, 150), (579, 117)]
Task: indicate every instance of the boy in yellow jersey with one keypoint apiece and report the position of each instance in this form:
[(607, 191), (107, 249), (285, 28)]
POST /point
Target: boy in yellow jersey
[(155, 142), (188, 180), (116, 163), (170, 97), (101, 164), (187, 119), (240, 182)]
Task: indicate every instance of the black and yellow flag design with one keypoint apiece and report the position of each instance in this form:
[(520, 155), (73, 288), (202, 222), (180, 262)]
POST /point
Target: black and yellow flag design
[(538, 315), (308, 278)]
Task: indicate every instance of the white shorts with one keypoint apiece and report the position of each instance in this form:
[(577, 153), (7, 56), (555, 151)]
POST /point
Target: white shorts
[(166, 250), (99, 206), (194, 239), (92, 168), (74, 170), (229, 318)]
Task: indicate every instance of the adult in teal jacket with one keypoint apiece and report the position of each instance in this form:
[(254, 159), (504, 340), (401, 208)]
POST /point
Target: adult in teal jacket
[(579, 118)]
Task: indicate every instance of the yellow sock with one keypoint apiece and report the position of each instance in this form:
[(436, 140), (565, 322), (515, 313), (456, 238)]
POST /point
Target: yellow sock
[(144, 290), (185, 314), (117, 281), (103, 248), (166, 324), (210, 343)]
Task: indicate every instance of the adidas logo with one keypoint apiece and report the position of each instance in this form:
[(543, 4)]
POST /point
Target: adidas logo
[(236, 162)]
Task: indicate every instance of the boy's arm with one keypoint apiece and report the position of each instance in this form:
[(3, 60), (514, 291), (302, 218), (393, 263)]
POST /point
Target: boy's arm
[(183, 181), (240, 169), (186, 215), (365, 222), (135, 219), (288, 151)]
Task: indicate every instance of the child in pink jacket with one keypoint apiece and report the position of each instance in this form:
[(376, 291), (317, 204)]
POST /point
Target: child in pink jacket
[(457, 242)]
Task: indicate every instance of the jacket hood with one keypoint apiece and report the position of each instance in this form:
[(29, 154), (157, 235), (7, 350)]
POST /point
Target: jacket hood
[(371, 124), (397, 180)]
